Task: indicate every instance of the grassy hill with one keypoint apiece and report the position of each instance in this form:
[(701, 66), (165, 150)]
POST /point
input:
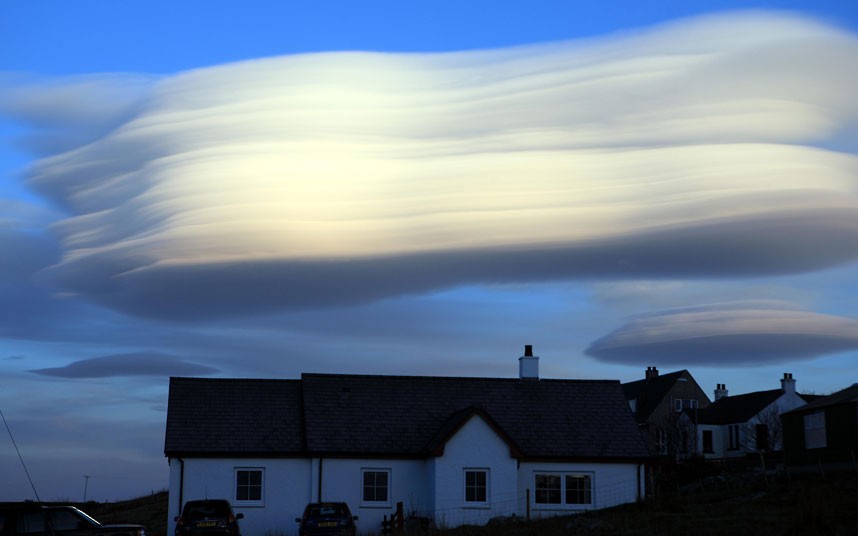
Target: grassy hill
[(149, 511), (717, 504)]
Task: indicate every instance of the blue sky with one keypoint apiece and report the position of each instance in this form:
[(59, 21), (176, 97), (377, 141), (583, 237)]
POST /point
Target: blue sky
[(191, 189)]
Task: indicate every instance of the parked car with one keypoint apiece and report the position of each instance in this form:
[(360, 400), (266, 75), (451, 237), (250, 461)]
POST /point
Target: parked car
[(208, 517), (35, 519), (327, 519)]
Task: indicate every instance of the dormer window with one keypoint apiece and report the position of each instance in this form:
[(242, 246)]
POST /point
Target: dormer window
[(680, 404)]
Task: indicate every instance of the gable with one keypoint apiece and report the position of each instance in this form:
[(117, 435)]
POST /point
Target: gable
[(401, 415), (653, 396)]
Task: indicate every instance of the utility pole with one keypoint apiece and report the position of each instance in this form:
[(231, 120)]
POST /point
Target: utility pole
[(85, 485)]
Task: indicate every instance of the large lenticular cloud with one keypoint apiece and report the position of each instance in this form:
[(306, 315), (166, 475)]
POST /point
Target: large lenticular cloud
[(695, 149)]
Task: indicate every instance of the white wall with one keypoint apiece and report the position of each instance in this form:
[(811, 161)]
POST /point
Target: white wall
[(613, 484), (286, 491), (342, 481), (474, 446)]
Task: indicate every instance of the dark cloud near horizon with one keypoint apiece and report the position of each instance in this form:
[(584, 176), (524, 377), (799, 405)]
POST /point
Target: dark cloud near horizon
[(131, 364), (788, 242), (722, 337)]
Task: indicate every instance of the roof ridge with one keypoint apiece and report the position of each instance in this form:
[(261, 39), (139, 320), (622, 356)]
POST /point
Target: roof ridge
[(449, 378)]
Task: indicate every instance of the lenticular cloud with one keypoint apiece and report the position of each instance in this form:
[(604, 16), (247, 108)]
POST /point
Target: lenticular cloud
[(696, 149)]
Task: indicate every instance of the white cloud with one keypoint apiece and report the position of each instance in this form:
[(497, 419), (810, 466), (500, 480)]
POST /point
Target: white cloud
[(623, 156)]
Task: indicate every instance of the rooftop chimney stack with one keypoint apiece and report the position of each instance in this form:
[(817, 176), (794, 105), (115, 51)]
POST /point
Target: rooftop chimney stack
[(651, 373), (720, 391), (787, 383), (528, 364)]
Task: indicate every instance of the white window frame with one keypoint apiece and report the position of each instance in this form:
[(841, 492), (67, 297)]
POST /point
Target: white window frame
[(376, 504), (734, 438), (248, 502), (814, 431), (563, 505), (476, 504)]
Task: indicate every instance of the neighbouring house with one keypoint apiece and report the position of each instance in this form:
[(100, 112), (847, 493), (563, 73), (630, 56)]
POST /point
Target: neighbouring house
[(456, 450), (735, 426), (824, 432), (657, 402)]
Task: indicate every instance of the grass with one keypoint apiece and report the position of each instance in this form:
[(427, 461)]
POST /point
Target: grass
[(703, 505)]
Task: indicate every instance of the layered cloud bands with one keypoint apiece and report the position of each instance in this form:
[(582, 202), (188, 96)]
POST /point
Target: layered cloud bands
[(728, 337), (695, 149)]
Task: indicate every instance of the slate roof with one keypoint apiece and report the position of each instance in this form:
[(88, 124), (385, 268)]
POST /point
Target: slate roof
[(399, 416), (210, 417), (649, 393), (736, 409), (850, 394)]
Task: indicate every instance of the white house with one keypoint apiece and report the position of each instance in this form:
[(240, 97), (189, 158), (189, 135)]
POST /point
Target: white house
[(735, 426), (456, 450)]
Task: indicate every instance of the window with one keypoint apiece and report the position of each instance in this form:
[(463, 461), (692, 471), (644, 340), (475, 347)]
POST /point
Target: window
[(248, 485), (476, 486), (814, 431), (579, 489), (707, 442), (31, 522), (563, 488), (64, 520), (733, 435), (376, 486), (680, 404)]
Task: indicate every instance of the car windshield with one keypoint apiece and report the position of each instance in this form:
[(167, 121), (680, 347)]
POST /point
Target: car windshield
[(327, 510), (205, 511)]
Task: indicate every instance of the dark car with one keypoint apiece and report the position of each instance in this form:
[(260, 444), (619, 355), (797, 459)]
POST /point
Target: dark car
[(328, 518), (208, 517), (35, 519)]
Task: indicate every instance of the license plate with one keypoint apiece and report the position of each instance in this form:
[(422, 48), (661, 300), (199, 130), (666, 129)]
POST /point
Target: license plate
[(328, 524), (207, 523)]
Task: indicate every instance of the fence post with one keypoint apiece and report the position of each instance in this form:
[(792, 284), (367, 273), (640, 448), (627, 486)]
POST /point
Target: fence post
[(400, 517)]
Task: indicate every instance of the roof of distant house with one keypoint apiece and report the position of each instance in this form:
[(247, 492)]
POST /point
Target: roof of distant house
[(650, 392), (397, 416), (850, 394), (736, 409)]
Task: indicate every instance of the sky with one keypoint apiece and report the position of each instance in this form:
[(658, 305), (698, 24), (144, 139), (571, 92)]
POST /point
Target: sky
[(261, 189)]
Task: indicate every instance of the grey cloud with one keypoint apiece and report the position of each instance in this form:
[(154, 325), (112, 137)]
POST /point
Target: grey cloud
[(781, 244), (72, 111), (720, 336), (132, 364)]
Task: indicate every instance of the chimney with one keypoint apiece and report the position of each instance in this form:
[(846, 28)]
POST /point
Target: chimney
[(528, 364), (651, 373), (720, 391), (787, 383)]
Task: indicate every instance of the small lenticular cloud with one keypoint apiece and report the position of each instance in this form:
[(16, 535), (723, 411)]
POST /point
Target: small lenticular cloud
[(313, 180), (725, 337)]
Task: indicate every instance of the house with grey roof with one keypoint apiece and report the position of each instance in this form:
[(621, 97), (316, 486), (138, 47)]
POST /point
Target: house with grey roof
[(658, 401), (824, 432), (735, 426), (456, 450)]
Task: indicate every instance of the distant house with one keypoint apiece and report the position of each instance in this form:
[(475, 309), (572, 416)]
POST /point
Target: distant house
[(825, 431), (457, 450), (735, 426), (657, 402)]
